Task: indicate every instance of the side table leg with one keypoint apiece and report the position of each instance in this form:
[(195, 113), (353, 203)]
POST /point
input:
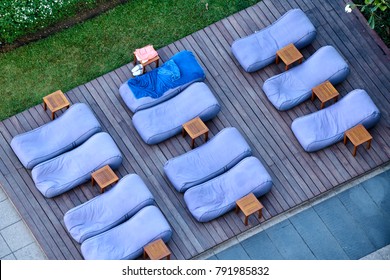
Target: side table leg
[(322, 105), (246, 220), (92, 182), (345, 139), (44, 106), (260, 213), (206, 136), (52, 115), (354, 150), (192, 143), (157, 62), (183, 132), (312, 96), (369, 144)]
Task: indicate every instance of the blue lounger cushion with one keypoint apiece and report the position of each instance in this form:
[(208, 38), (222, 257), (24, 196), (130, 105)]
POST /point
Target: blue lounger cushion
[(109, 209), (294, 86), (190, 72), (217, 196), (70, 169), (126, 241), (327, 126), (259, 49), (205, 162), (165, 120), (71, 129)]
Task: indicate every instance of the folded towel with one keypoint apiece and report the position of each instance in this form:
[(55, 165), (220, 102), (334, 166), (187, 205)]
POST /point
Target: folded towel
[(145, 53)]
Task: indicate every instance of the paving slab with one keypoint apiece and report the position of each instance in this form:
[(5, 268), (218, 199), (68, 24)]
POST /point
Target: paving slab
[(378, 189), (288, 242), (260, 247), (347, 232), (3, 196), (17, 236), (30, 252), (9, 257), (236, 252), (4, 248), (367, 214), (317, 236), (8, 214)]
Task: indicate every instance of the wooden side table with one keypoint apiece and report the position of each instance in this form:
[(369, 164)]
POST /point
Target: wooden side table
[(195, 128), (289, 55), (144, 64), (325, 92), (157, 250), (249, 204), (55, 102), (358, 135), (104, 177)]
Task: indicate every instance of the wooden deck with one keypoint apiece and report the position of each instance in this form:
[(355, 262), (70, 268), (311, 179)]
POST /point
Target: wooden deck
[(298, 176)]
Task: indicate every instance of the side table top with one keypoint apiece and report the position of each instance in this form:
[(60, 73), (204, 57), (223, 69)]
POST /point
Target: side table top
[(56, 101), (289, 54), (104, 176), (325, 91), (157, 250), (358, 135), (195, 127)]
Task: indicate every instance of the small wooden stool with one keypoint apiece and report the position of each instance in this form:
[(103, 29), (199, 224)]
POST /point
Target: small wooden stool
[(249, 204), (289, 55), (325, 92), (55, 101), (358, 135), (195, 128), (104, 177), (144, 64), (157, 250)]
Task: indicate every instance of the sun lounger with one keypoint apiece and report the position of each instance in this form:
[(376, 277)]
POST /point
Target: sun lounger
[(71, 129), (259, 49), (126, 241), (217, 196), (327, 126), (211, 159), (294, 86), (109, 209), (70, 169), (165, 120), (162, 83)]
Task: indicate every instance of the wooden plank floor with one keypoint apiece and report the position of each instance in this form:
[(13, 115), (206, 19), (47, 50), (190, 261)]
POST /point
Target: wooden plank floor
[(298, 176)]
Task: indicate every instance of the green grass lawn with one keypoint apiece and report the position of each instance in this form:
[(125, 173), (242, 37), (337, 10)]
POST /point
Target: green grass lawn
[(86, 51)]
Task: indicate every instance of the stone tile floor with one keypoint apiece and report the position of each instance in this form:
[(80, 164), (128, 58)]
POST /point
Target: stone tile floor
[(16, 239)]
